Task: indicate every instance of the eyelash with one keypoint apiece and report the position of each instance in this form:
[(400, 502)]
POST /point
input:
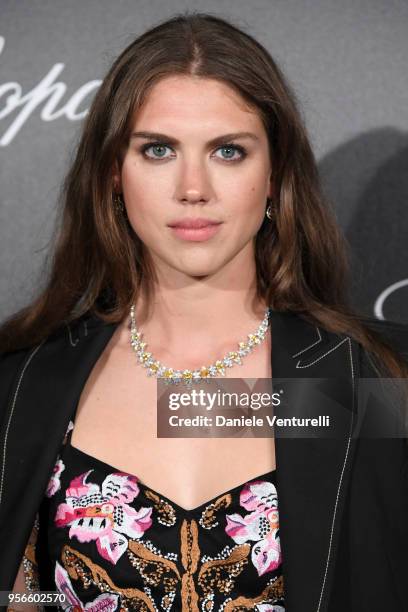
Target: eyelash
[(227, 145)]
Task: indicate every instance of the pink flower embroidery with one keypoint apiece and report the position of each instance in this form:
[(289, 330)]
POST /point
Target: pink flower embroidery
[(103, 514), (107, 602), (260, 525), (54, 484)]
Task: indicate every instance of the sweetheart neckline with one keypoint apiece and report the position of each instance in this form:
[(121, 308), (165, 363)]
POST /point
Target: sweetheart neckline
[(185, 511)]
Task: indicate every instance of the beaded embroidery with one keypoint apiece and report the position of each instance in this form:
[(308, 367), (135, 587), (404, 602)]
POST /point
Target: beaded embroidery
[(118, 545)]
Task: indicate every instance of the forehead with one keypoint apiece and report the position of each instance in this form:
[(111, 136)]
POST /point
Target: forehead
[(181, 100)]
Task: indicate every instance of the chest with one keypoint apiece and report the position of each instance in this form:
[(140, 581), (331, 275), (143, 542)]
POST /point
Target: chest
[(116, 422)]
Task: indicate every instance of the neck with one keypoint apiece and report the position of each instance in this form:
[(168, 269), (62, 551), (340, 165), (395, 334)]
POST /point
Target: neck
[(193, 320)]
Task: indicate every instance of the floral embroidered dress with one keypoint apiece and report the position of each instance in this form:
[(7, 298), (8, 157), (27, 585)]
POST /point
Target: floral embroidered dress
[(116, 544)]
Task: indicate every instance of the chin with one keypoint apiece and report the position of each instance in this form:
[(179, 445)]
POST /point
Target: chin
[(199, 271)]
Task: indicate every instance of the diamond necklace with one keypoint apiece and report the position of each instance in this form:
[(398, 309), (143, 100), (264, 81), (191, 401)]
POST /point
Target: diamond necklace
[(170, 376)]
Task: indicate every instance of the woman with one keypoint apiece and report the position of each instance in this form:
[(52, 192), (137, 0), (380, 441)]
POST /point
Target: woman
[(194, 121)]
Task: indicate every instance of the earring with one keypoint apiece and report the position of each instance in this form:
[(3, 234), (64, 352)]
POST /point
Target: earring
[(269, 209), (118, 203)]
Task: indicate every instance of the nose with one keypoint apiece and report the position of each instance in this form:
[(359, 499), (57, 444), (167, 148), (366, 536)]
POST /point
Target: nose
[(194, 183)]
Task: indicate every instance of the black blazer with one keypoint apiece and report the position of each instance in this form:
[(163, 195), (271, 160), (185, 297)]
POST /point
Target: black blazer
[(343, 501)]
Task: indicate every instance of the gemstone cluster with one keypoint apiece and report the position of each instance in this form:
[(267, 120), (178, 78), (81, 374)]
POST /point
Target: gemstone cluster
[(171, 376)]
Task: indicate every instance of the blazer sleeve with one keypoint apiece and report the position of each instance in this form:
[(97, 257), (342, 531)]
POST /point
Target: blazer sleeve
[(386, 412)]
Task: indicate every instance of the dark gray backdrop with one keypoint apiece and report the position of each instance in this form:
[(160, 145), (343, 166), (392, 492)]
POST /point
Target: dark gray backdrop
[(347, 62)]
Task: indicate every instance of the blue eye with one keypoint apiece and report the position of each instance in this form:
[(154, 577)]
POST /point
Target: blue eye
[(160, 149), (158, 146), (232, 148)]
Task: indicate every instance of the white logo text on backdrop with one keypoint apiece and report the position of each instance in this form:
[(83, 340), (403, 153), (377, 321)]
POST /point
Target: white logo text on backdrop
[(48, 93)]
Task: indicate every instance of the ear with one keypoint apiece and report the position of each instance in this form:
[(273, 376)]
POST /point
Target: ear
[(116, 178)]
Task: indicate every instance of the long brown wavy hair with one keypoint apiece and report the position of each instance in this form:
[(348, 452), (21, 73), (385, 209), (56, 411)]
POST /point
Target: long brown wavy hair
[(99, 264)]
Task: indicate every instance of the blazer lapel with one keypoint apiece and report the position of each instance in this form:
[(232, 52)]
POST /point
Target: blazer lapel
[(312, 472)]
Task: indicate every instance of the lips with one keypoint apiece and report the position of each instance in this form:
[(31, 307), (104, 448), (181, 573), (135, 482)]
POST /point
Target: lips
[(193, 223)]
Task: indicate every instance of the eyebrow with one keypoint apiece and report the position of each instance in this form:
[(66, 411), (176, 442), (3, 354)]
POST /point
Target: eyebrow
[(211, 143)]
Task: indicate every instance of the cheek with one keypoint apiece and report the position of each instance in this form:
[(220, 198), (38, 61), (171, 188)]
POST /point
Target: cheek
[(146, 215), (134, 187), (139, 194), (136, 180), (249, 207)]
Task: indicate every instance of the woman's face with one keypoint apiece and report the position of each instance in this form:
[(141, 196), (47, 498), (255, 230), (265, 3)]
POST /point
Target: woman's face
[(190, 167)]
